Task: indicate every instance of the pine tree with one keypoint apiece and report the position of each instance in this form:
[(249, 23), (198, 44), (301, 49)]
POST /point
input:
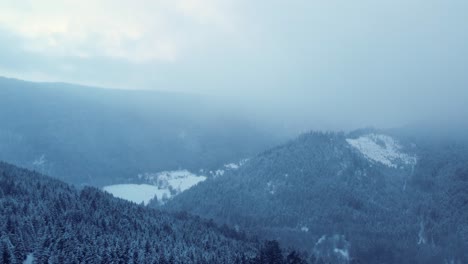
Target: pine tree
[(20, 251), (7, 257), (294, 258), (271, 253)]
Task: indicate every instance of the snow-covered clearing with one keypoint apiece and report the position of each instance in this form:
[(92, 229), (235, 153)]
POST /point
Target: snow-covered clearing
[(137, 193), (162, 185), (382, 149)]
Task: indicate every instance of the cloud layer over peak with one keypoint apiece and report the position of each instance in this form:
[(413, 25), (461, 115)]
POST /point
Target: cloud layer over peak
[(343, 62)]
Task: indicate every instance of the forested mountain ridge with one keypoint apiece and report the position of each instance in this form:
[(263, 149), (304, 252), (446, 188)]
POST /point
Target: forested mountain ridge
[(384, 198), (48, 221), (95, 136)]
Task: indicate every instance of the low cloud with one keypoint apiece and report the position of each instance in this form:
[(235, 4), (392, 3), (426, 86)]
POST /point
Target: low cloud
[(322, 64), (137, 31)]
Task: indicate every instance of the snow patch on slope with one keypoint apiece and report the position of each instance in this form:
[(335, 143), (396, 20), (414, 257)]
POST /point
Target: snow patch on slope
[(232, 166), (332, 249), (271, 187), (162, 185), (137, 193), (228, 167), (178, 181), (382, 149), (29, 259), (235, 166)]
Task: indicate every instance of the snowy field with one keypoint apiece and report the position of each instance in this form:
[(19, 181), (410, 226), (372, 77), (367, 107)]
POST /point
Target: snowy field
[(138, 193), (162, 185)]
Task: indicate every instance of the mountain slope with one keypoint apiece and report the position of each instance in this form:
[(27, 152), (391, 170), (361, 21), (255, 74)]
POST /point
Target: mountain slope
[(51, 222), (95, 136), (387, 199)]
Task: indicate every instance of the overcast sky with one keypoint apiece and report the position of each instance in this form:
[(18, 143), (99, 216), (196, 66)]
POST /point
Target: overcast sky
[(333, 63)]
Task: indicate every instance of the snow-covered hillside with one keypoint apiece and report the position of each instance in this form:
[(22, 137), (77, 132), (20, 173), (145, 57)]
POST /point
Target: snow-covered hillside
[(162, 185), (382, 149)]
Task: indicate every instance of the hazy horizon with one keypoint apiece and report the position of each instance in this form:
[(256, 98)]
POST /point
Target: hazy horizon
[(334, 65)]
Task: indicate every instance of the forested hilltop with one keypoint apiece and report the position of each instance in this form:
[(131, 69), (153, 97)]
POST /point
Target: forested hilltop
[(48, 221), (374, 196)]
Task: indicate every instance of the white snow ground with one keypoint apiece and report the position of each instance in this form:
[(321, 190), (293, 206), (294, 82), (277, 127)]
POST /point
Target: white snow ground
[(382, 149), (137, 193), (178, 181), (164, 185), (228, 167), (232, 166)]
